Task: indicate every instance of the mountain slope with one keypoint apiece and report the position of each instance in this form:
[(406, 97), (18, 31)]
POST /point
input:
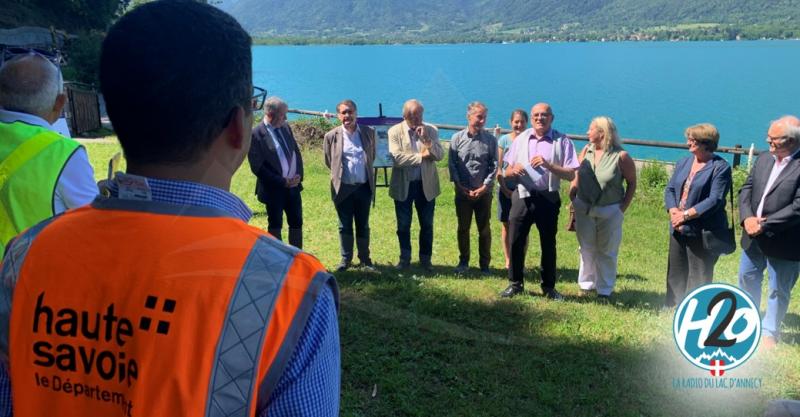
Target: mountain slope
[(421, 19)]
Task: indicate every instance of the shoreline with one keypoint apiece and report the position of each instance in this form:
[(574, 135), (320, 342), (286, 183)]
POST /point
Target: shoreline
[(292, 41)]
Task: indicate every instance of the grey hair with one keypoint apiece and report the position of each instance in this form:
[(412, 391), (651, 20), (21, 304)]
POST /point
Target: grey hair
[(475, 105), (791, 126), (273, 105), (27, 89), (410, 103), (793, 133)]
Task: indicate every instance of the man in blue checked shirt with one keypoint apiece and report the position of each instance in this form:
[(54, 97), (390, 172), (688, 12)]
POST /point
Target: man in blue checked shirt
[(247, 327), (473, 163)]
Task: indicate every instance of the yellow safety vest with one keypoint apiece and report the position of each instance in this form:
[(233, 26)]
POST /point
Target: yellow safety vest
[(31, 160)]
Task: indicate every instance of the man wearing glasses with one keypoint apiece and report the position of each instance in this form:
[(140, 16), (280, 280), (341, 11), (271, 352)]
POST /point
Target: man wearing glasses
[(160, 299), (278, 166), (770, 213), (539, 158), (45, 173)]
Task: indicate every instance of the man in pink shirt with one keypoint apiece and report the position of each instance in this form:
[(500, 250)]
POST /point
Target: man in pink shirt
[(539, 159)]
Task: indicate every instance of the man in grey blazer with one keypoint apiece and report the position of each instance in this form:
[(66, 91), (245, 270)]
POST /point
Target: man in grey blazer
[(769, 206), (349, 153), (415, 148)]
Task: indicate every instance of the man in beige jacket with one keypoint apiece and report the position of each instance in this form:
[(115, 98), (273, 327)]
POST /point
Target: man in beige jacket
[(415, 148)]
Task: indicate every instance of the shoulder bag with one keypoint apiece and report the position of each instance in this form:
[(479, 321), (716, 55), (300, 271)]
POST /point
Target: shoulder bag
[(721, 241)]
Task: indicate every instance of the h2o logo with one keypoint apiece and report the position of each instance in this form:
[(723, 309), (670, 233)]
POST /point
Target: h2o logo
[(717, 327)]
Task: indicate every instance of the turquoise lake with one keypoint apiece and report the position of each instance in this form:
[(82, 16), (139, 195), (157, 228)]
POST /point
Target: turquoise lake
[(653, 90)]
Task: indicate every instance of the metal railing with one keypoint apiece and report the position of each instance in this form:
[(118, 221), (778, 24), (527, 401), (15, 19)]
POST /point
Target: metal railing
[(736, 151)]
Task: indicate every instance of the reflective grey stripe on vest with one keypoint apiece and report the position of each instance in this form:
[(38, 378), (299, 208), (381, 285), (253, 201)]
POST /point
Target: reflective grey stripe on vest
[(238, 352), (16, 251), (274, 373)]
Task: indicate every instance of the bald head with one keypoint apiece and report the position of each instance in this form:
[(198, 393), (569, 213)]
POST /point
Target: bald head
[(541, 118), (412, 112), (31, 84)]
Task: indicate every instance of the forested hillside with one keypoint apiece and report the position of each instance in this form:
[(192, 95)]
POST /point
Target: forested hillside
[(390, 21), (520, 20)]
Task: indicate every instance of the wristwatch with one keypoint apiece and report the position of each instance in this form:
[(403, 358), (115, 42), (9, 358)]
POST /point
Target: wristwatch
[(686, 215)]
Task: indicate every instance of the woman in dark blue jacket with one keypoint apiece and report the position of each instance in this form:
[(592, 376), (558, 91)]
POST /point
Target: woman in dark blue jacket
[(695, 200)]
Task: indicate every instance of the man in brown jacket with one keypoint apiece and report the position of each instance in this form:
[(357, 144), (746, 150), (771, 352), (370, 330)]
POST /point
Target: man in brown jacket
[(349, 153)]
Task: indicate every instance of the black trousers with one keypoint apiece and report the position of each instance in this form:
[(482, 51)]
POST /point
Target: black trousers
[(689, 266), (541, 209), (286, 200), (354, 207)]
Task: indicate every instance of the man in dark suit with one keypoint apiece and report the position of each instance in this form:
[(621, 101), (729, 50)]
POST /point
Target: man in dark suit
[(769, 206), (278, 166), (349, 153)]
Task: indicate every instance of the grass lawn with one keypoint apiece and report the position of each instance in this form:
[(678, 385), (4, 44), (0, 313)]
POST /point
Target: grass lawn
[(417, 344)]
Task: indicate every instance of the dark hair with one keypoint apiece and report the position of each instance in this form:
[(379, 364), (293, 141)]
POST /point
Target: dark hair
[(172, 73), (347, 102), (521, 113)]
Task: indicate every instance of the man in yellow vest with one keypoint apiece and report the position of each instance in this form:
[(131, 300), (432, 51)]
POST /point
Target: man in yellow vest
[(160, 299), (41, 172)]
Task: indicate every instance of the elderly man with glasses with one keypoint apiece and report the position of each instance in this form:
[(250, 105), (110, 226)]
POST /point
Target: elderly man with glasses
[(415, 149), (46, 173), (278, 166), (769, 206), (539, 159)]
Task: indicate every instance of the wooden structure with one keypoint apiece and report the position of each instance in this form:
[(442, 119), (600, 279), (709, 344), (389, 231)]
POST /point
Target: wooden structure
[(83, 108)]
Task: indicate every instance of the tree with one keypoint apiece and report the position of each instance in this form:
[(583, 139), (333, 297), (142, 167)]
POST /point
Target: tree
[(86, 14)]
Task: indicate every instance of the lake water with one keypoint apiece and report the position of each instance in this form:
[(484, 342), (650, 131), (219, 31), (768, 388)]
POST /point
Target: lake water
[(653, 90)]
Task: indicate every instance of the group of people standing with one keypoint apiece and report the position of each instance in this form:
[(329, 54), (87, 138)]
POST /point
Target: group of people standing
[(208, 314), (528, 195), (528, 164)]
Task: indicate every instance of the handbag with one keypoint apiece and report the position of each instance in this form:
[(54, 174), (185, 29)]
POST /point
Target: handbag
[(588, 186), (571, 220), (721, 241)]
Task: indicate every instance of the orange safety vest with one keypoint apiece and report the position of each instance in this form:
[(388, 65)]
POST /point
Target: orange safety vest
[(130, 308)]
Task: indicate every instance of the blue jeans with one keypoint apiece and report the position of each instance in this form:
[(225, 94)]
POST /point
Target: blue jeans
[(782, 276), (425, 208)]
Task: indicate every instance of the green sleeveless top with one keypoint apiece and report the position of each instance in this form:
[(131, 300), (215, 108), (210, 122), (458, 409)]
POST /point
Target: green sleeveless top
[(600, 184)]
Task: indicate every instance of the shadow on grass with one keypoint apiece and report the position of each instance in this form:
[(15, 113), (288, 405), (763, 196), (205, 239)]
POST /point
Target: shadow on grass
[(392, 272), (791, 335), (639, 300), (631, 277), (628, 299), (413, 349), (792, 320)]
